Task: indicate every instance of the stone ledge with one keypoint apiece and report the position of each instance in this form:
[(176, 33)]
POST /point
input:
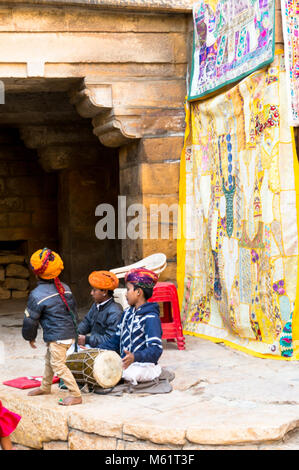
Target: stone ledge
[(213, 405), (181, 6), (166, 422)]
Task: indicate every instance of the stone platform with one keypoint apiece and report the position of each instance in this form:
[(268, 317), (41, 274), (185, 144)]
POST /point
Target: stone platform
[(221, 399)]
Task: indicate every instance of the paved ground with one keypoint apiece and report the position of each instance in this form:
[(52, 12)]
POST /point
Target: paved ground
[(221, 398)]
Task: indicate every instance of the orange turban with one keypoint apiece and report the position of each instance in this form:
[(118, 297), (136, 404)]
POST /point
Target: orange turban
[(103, 280), (46, 264)]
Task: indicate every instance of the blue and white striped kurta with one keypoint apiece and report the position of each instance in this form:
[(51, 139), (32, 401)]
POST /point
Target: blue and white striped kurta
[(139, 332)]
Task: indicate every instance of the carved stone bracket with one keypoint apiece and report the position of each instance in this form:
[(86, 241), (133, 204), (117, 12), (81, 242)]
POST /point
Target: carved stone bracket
[(116, 129), (93, 99), (113, 128), (122, 111)]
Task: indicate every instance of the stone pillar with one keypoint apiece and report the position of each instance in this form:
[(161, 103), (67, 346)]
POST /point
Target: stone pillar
[(145, 120), (149, 175)]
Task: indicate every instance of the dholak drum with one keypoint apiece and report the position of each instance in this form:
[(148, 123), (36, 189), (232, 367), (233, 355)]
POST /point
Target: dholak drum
[(96, 367)]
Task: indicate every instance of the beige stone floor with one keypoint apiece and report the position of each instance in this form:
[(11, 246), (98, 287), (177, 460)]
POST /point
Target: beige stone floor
[(221, 398)]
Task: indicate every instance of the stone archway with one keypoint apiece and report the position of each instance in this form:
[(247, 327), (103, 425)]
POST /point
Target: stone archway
[(118, 76), (54, 173)]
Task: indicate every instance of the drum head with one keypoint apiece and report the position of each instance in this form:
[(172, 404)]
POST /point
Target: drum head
[(107, 369)]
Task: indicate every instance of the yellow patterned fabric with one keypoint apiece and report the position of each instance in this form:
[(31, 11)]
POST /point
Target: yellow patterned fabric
[(238, 250)]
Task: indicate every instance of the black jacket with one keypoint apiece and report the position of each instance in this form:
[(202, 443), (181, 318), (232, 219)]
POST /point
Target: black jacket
[(45, 307), (100, 323)]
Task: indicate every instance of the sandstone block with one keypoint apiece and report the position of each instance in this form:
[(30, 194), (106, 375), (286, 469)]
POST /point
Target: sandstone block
[(4, 294), (42, 421), (15, 283), (159, 149), (3, 169), (167, 121), (146, 445), (17, 270), (43, 218), (3, 220), (79, 440), (128, 155), (98, 421), (7, 259), (158, 93), (129, 180), (2, 273), (24, 186), (278, 27), (156, 432), (93, 21), (169, 247), (22, 168), (11, 204), (237, 426), (170, 273), (159, 178), (19, 219), (129, 47), (56, 445), (19, 294)]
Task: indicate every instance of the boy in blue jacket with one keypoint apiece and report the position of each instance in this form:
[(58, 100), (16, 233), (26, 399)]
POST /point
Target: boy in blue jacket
[(138, 338), (52, 305)]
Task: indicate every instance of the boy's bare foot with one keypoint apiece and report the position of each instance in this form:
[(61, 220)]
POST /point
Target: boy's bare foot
[(6, 443), (37, 391), (69, 401)]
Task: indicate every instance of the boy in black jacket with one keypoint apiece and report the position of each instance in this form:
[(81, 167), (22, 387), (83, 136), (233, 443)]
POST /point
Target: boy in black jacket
[(52, 305), (102, 319)]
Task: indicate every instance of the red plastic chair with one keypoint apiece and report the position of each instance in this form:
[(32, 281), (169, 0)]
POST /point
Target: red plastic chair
[(166, 293)]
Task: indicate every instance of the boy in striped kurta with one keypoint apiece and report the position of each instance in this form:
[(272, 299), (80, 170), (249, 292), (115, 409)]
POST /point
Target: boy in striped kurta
[(138, 335)]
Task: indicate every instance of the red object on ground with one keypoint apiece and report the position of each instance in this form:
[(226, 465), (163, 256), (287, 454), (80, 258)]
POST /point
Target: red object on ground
[(27, 382), (166, 293), (8, 421)]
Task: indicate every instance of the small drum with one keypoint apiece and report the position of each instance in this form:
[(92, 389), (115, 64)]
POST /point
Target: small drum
[(96, 367)]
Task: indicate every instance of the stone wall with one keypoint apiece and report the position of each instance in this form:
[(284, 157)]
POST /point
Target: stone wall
[(28, 200), (14, 274), (80, 192)]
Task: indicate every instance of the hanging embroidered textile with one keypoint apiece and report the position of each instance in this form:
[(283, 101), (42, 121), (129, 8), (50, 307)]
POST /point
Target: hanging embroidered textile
[(238, 245), (290, 22), (232, 38)]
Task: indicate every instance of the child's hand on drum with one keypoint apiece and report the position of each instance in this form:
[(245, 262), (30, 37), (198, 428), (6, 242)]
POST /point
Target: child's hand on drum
[(128, 359), (81, 340)]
